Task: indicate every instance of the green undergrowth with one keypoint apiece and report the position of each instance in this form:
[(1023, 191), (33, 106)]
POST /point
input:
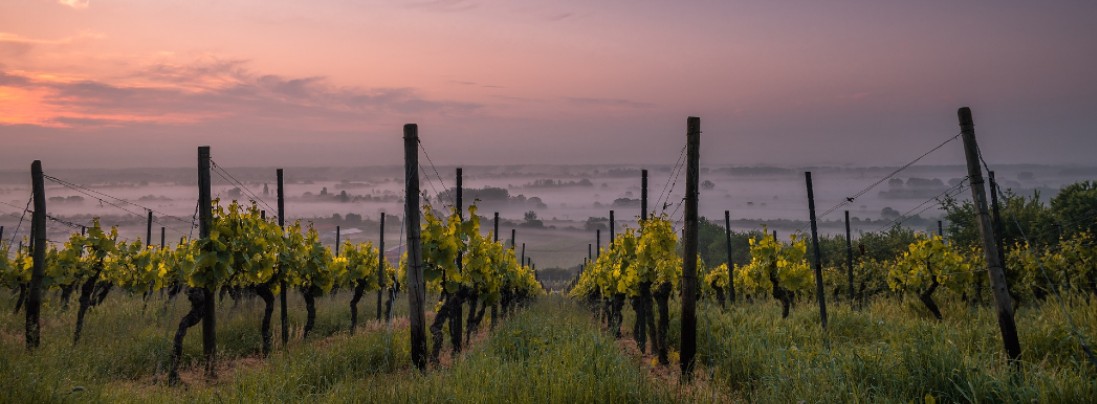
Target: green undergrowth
[(553, 351), (891, 352)]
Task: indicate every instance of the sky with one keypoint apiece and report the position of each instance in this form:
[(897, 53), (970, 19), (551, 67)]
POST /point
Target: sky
[(142, 83)]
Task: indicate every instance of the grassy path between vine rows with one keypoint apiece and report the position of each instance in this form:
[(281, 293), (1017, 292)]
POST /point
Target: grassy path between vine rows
[(552, 351)]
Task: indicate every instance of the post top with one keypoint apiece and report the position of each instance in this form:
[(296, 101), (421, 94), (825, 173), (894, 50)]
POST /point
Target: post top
[(965, 116)]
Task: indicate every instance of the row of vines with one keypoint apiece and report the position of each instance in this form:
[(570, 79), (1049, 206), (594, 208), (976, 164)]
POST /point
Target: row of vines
[(247, 254), (928, 266)]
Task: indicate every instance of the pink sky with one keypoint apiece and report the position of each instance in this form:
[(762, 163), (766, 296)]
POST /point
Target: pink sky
[(101, 83)]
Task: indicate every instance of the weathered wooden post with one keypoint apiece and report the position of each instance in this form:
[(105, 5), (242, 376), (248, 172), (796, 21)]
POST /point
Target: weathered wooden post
[(416, 287), (849, 259), (205, 220), (38, 256), (612, 229), (998, 284), (645, 322), (689, 255), (380, 265), (455, 322), (284, 291), (996, 215), (338, 239), (817, 262), (163, 238), (598, 243), (731, 265), (148, 231)]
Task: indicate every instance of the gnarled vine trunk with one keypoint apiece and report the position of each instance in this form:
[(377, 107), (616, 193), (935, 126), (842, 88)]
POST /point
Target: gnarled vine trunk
[(359, 290), (780, 293), (616, 314), (265, 293), (192, 318), (662, 296), (927, 299), (310, 294)]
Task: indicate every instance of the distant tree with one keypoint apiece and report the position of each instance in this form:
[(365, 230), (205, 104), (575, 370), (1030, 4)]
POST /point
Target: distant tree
[(353, 218), (596, 223), (1075, 208), (530, 220)]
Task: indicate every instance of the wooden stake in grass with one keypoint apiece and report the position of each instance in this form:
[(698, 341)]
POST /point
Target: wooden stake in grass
[(689, 255), (380, 265), (849, 259), (817, 259), (38, 229), (205, 220), (999, 287), (731, 265), (416, 287), (284, 290)]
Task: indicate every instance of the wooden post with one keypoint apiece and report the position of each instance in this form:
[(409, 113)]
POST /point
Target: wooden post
[(1, 233), (997, 218), (338, 239), (455, 324), (512, 239), (495, 228), (1003, 303), (612, 226), (523, 252), (849, 259), (940, 229), (598, 243), (205, 220), (689, 255), (381, 265), (282, 223), (163, 238), (148, 231), (590, 252), (38, 238), (731, 265), (817, 261), (416, 287)]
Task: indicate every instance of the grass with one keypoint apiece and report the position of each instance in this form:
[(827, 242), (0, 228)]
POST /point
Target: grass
[(555, 351), (893, 352)]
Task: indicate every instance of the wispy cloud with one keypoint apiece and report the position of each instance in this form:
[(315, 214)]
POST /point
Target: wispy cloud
[(444, 5), (13, 45), (76, 4), (207, 90), (608, 102)]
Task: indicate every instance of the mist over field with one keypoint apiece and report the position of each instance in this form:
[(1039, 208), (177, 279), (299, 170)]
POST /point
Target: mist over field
[(570, 201)]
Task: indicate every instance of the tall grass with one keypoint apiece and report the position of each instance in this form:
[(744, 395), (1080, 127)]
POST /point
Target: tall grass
[(890, 352), (550, 352), (555, 351)]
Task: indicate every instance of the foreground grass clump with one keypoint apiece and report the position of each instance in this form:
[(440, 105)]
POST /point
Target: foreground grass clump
[(552, 351), (889, 353)]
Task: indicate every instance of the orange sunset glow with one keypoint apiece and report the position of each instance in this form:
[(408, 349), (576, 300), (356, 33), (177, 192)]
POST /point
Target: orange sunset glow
[(777, 82)]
